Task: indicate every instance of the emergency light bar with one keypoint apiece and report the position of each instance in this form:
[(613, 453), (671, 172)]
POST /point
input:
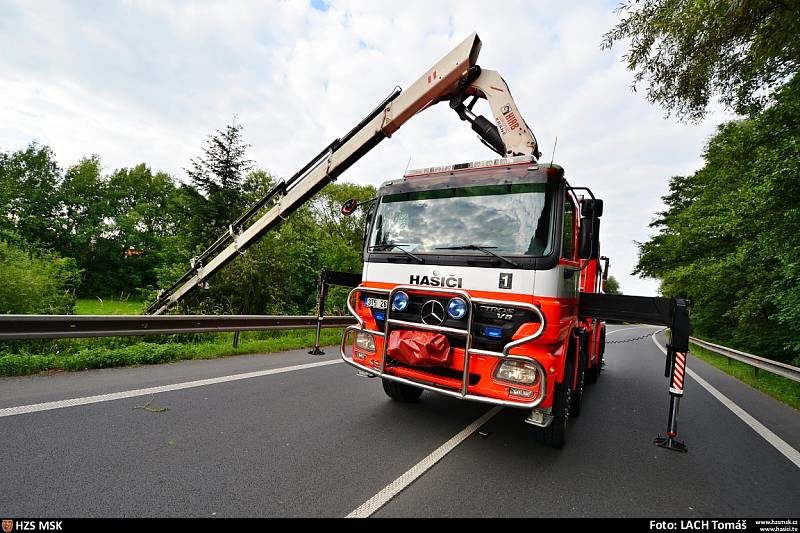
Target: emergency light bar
[(518, 160)]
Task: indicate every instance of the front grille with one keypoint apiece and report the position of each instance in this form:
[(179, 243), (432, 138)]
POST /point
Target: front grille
[(441, 372)]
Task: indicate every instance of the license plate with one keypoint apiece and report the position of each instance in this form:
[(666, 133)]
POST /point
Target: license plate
[(377, 303)]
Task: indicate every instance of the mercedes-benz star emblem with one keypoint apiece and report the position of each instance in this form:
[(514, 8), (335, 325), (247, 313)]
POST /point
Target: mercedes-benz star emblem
[(432, 313)]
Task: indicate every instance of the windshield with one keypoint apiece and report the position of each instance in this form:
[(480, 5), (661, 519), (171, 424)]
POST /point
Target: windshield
[(509, 219)]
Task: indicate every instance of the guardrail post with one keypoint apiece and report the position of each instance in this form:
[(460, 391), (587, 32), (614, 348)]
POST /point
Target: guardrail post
[(236, 339), (756, 371)]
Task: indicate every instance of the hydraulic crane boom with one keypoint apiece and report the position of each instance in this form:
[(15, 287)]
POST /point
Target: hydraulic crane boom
[(454, 78)]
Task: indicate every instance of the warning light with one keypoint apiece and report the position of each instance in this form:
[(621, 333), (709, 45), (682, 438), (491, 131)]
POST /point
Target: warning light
[(494, 333)]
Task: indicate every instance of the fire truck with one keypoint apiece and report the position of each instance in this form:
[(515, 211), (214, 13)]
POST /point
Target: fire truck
[(471, 283), (482, 281)]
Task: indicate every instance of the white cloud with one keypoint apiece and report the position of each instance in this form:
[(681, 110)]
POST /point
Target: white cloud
[(147, 81)]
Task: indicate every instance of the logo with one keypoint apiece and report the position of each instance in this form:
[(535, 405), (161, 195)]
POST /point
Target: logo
[(505, 280), (502, 313), (436, 280), (432, 313), (8, 525)]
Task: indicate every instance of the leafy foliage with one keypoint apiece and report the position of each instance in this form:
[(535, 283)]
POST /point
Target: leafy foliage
[(132, 230), (612, 286), (219, 172), (28, 197), (34, 282), (689, 50), (729, 238)]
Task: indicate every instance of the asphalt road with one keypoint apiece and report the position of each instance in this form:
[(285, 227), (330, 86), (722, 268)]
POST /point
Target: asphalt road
[(320, 441)]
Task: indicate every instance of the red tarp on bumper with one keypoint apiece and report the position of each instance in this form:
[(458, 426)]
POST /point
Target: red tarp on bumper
[(419, 348)]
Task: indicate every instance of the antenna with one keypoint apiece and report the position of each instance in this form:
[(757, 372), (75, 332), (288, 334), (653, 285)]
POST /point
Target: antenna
[(407, 165), (555, 143)]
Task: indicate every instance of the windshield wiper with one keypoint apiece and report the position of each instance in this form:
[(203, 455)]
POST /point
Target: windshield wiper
[(484, 249), (389, 245)]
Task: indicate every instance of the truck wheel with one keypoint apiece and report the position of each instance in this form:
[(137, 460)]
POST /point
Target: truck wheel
[(555, 435), (577, 394), (401, 393)]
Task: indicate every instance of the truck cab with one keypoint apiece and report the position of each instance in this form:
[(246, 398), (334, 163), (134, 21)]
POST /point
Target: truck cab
[(470, 288)]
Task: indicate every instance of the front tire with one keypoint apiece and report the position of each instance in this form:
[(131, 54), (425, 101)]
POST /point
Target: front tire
[(555, 435), (400, 392)]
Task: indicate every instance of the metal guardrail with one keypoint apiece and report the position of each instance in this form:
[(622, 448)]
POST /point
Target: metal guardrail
[(758, 363), (21, 327)]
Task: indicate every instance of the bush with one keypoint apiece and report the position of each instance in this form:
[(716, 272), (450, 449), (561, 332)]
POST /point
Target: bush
[(36, 282)]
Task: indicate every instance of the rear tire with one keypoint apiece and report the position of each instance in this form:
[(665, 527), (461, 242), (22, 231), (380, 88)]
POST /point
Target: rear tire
[(555, 435), (400, 392)]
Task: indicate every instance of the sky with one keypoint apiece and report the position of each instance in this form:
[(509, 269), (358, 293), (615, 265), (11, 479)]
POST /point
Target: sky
[(148, 81)]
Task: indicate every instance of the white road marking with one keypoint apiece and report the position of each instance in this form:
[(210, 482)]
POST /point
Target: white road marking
[(23, 409), (777, 442), (366, 509)]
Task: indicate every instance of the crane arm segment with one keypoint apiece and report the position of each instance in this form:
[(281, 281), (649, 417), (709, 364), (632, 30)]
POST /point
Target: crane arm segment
[(453, 78)]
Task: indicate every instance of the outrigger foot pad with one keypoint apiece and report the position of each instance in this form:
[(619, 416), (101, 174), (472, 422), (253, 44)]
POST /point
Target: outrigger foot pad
[(316, 350), (671, 444)]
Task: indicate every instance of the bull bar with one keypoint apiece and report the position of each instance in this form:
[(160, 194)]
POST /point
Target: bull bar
[(463, 394)]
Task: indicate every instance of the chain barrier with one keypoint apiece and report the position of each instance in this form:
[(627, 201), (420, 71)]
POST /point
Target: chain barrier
[(634, 339)]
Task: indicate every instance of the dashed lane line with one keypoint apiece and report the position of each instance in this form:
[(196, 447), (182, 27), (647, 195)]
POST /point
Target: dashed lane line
[(369, 507), (73, 402)]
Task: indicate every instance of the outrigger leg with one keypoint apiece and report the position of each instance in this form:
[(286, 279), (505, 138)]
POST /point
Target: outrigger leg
[(675, 394), (676, 371)]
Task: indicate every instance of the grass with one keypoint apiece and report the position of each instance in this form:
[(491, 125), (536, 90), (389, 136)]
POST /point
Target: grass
[(109, 306), (782, 389), (101, 355)]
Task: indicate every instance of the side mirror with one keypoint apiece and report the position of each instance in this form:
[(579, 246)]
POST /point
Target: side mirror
[(605, 261), (591, 207), (349, 207), (589, 238)]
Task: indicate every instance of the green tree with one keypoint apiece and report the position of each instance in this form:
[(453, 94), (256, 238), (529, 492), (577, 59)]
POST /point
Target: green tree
[(612, 286), (687, 51), (219, 173), (29, 194), (728, 238), (85, 210), (141, 220)]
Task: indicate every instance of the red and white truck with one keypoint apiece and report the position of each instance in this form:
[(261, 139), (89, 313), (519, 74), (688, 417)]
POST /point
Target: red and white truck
[(471, 284)]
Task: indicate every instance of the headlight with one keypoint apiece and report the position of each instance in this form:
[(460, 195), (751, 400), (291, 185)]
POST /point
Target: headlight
[(520, 372), (399, 301), (457, 308), (365, 341)]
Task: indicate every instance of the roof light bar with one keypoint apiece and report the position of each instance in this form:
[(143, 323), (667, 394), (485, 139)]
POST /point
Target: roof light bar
[(522, 159)]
